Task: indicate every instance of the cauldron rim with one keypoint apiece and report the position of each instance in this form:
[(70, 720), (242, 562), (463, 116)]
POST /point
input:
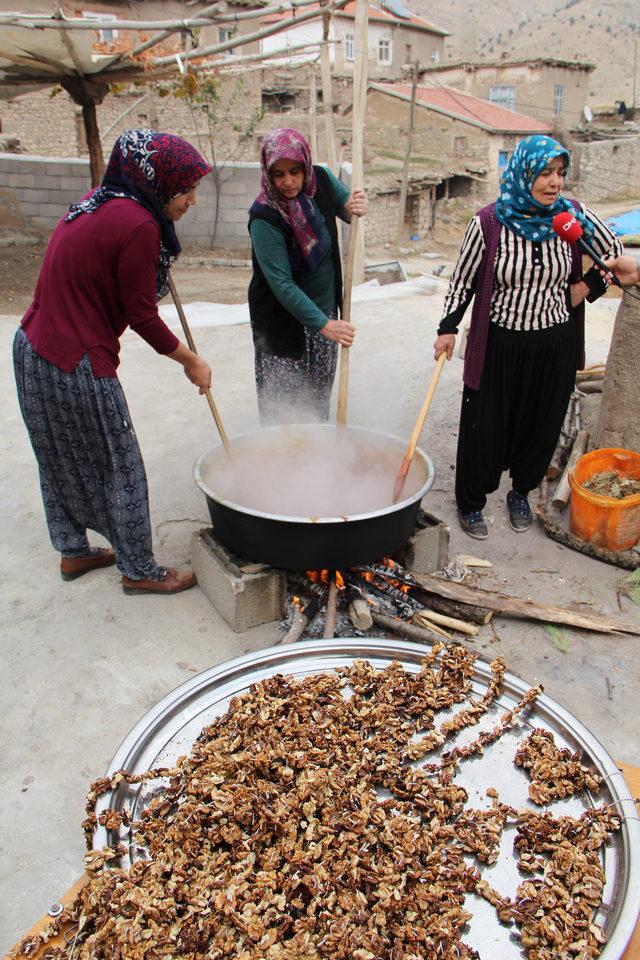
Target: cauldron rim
[(283, 518)]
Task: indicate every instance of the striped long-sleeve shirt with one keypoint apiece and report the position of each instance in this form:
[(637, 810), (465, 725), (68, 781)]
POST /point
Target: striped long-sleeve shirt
[(530, 281)]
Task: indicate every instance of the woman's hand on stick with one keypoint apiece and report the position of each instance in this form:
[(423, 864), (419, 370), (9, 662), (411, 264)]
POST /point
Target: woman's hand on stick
[(340, 331), (198, 372), (445, 343), (357, 204)]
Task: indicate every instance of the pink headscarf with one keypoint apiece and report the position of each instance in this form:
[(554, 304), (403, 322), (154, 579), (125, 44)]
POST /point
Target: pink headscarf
[(299, 212)]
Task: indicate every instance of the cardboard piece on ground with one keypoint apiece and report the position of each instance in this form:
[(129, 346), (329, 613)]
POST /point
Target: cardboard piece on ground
[(631, 775)]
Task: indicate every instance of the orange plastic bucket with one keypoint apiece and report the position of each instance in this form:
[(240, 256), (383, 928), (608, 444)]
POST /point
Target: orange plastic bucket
[(605, 521)]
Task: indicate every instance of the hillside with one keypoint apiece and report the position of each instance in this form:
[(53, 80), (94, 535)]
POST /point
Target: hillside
[(603, 34)]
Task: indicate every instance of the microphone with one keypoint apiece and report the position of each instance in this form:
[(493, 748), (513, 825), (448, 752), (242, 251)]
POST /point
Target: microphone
[(568, 229)]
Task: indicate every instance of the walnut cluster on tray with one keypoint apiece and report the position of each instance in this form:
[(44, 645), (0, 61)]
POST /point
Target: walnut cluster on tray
[(300, 828), (555, 773)]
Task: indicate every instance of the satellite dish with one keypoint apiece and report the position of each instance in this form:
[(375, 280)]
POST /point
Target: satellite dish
[(588, 113)]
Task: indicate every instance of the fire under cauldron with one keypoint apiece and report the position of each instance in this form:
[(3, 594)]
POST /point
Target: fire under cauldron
[(312, 496)]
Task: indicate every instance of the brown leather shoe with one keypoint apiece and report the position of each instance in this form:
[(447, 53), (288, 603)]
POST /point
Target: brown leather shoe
[(174, 582), (73, 567)]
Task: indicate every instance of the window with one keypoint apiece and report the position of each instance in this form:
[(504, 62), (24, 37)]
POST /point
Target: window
[(558, 97), (225, 33), (408, 52), (503, 159), (348, 47), (435, 56), (459, 144), (384, 51), (503, 97), (105, 35)]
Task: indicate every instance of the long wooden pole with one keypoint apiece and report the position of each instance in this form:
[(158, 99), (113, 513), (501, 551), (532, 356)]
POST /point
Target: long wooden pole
[(407, 156), (357, 183), (192, 347), (327, 97), (313, 126)]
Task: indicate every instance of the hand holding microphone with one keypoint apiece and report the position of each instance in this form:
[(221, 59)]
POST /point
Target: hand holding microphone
[(568, 228)]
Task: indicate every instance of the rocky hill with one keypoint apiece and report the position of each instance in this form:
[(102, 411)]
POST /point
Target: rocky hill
[(605, 34)]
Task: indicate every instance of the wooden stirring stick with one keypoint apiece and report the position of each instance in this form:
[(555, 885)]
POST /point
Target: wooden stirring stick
[(192, 347), (417, 430), (358, 109)]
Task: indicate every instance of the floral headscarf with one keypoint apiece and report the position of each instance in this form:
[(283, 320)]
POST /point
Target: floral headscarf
[(299, 212), (153, 169), (516, 208)]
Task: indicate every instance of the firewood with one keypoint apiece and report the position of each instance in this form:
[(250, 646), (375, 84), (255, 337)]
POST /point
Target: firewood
[(358, 607), (421, 621), (525, 609), (453, 608), (452, 622), (301, 620), (331, 611), (404, 629), (590, 386), (563, 490)]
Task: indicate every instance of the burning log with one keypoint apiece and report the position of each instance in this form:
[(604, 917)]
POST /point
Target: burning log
[(302, 617), (331, 611), (448, 607), (358, 608), (395, 600)]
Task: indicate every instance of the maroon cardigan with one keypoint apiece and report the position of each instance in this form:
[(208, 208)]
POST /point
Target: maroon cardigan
[(476, 347), (97, 278)]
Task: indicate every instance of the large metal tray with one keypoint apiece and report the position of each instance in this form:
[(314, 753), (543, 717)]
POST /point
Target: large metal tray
[(169, 729)]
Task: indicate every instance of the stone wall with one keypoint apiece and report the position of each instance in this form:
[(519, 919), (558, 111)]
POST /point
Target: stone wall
[(35, 192), (606, 169)]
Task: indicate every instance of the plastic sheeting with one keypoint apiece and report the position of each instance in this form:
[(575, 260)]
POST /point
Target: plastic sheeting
[(201, 314), (626, 224)]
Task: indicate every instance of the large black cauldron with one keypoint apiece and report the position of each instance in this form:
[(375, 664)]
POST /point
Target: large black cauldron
[(306, 542)]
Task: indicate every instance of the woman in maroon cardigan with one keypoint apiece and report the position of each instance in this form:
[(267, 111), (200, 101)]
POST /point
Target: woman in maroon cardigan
[(105, 267)]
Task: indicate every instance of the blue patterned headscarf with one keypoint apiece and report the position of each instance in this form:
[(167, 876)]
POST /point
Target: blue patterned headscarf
[(516, 207)]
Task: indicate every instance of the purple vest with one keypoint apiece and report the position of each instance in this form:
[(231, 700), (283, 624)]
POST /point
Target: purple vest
[(476, 347)]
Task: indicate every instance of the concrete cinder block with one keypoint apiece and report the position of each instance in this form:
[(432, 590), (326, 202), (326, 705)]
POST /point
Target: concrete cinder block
[(244, 600), (428, 549)]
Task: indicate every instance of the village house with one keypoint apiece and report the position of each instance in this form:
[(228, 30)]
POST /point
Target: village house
[(461, 145), (555, 91), (396, 37)]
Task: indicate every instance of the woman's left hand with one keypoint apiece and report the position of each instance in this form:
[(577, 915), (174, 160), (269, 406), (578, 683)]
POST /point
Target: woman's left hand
[(357, 204)]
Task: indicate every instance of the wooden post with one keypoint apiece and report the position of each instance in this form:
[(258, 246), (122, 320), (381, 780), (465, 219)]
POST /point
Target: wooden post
[(327, 97), (407, 156), (357, 182), (87, 93), (313, 126)]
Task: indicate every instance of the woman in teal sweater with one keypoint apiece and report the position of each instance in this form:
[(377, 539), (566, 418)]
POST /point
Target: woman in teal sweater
[(295, 293)]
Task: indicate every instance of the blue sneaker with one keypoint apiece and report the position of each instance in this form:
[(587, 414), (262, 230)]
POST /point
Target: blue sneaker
[(520, 516), (474, 524)]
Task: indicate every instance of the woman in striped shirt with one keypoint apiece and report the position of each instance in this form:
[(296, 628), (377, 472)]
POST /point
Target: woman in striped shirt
[(526, 338)]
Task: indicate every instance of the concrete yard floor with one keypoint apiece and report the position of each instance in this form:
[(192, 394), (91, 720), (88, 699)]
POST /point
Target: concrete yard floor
[(82, 662)]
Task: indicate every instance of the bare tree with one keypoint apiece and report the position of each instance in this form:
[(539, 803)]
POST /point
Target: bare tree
[(220, 123)]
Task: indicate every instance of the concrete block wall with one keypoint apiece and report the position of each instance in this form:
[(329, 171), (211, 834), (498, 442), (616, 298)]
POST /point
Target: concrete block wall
[(606, 169), (35, 192)]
